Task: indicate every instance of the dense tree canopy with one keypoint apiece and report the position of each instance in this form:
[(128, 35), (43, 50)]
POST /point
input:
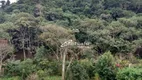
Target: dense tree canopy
[(87, 28), (108, 24)]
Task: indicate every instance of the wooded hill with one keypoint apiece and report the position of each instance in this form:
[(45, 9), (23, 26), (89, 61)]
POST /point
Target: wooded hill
[(37, 28), (109, 25)]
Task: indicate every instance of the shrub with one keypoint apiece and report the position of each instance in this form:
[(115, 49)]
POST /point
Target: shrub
[(17, 68), (97, 77), (124, 63), (54, 68), (47, 68), (11, 68), (40, 53), (50, 68), (129, 74), (41, 73), (42, 64), (88, 66), (105, 67), (76, 72)]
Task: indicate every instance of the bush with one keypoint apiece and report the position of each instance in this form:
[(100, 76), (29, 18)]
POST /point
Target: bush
[(105, 67), (76, 72), (41, 73), (50, 68), (97, 77), (54, 68), (41, 64), (129, 74), (47, 68), (124, 63), (88, 66), (17, 68), (40, 53)]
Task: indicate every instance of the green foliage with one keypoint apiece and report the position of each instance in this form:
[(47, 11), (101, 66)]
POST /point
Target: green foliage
[(25, 35), (42, 64), (49, 68), (7, 25), (116, 36), (17, 68), (32, 69), (40, 53), (88, 66), (52, 78), (54, 68), (105, 67), (4, 35), (97, 77), (25, 19), (4, 27), (43, 78), (11, 78), (41, 73), (76, 72), (129, 74), (76, 13), (2, 17), (110, 25)]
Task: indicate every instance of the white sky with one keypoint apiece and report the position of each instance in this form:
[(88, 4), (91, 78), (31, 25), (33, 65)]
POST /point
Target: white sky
[(12, 1)]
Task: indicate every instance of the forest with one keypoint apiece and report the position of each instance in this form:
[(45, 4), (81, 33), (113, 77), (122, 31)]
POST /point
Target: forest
[(71, 40)]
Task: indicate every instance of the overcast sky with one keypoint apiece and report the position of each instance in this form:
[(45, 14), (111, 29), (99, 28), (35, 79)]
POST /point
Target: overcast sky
[(12, 1)]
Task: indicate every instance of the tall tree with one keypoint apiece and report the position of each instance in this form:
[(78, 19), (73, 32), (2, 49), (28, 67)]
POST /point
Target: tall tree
[(8, 3), (25, 36), (3, 4), (53, 36)]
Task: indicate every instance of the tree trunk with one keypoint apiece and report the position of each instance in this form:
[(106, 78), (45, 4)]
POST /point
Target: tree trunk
[(23, 46), (0, 68), (69, 64), (24, 53), (63, 64)]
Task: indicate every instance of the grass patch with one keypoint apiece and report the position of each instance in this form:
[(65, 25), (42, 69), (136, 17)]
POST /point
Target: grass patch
[(10, 78), (45, 78), (53, 78)]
